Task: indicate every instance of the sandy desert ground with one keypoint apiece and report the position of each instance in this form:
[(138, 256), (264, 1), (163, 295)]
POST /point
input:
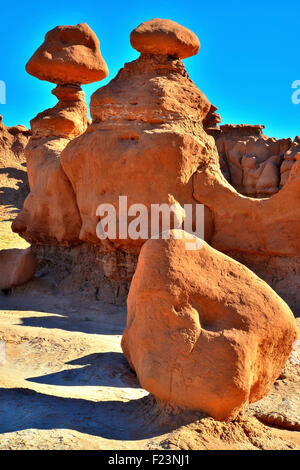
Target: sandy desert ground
[(65, 384)]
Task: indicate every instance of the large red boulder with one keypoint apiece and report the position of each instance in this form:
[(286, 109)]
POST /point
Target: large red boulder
[(204, 332)]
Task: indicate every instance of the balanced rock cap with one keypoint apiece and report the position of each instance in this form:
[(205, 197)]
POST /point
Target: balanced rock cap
[(69, 54), (164, 37)]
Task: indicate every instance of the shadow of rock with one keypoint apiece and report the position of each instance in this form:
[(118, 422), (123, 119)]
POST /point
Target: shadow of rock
[(15, 194), (82, 326), (68, 314), (22, 409), (109, 369)]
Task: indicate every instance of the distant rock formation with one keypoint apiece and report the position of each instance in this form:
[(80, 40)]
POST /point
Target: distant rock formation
[(13, 177), (203, 332), (254, 164)]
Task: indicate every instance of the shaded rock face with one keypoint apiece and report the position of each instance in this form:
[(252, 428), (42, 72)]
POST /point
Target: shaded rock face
[(69, 54), (16, 267), (203, 332), (264, 235), (13, 178), (146, 141), (85, 272), (255, 165)]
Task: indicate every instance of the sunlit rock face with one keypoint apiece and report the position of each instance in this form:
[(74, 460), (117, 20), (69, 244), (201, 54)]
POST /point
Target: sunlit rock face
[(70, 56), (147, 138), (204, 332)]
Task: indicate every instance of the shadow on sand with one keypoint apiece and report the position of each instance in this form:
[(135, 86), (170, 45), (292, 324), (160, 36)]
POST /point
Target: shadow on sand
[(109, 369), (97, 318), (14, 197), (138, 419)]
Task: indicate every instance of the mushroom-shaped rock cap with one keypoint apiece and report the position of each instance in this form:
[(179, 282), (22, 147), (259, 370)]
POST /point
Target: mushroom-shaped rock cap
[(164, 37), (69, 54)]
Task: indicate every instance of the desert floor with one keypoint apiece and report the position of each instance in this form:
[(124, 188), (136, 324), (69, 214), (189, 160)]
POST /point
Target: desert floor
[(65, 384)]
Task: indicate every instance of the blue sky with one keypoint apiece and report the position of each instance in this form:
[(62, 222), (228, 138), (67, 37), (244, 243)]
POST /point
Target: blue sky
[(248, 60)]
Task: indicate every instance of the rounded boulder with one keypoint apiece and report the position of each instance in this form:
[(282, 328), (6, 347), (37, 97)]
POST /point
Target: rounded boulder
[(203, 331), (69, 54), (164, 37)]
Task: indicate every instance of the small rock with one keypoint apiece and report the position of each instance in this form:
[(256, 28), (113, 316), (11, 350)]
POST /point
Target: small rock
[(16, 267)]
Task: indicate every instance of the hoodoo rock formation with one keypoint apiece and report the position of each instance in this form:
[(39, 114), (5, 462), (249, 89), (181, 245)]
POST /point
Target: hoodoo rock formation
[(69, 54), (222, 335), (204, 332), (152, 140), (44, 217), (147, 138), (68, 57)]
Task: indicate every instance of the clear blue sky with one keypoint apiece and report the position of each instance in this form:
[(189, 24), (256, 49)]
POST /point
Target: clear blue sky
[(248, 60)]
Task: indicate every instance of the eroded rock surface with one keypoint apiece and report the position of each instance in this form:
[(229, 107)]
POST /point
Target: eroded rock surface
[(243, 224), (255, 165), (204, 332), (146, 139), (159, 36), (50, 213), (66, 385), (69, 54)]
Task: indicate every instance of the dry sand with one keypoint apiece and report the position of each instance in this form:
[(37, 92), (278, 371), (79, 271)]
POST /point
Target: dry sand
[(65, 384)]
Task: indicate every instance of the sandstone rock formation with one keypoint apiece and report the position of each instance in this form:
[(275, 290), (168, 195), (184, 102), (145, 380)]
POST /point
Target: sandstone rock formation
[(50, 213), (16, 267), (289, 159), (164, 37), (204, 332), (151, 140), (263, 234), (13, 178), (69, 55), (211, 121), (263, 226), (255, 165), (146, 140)]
